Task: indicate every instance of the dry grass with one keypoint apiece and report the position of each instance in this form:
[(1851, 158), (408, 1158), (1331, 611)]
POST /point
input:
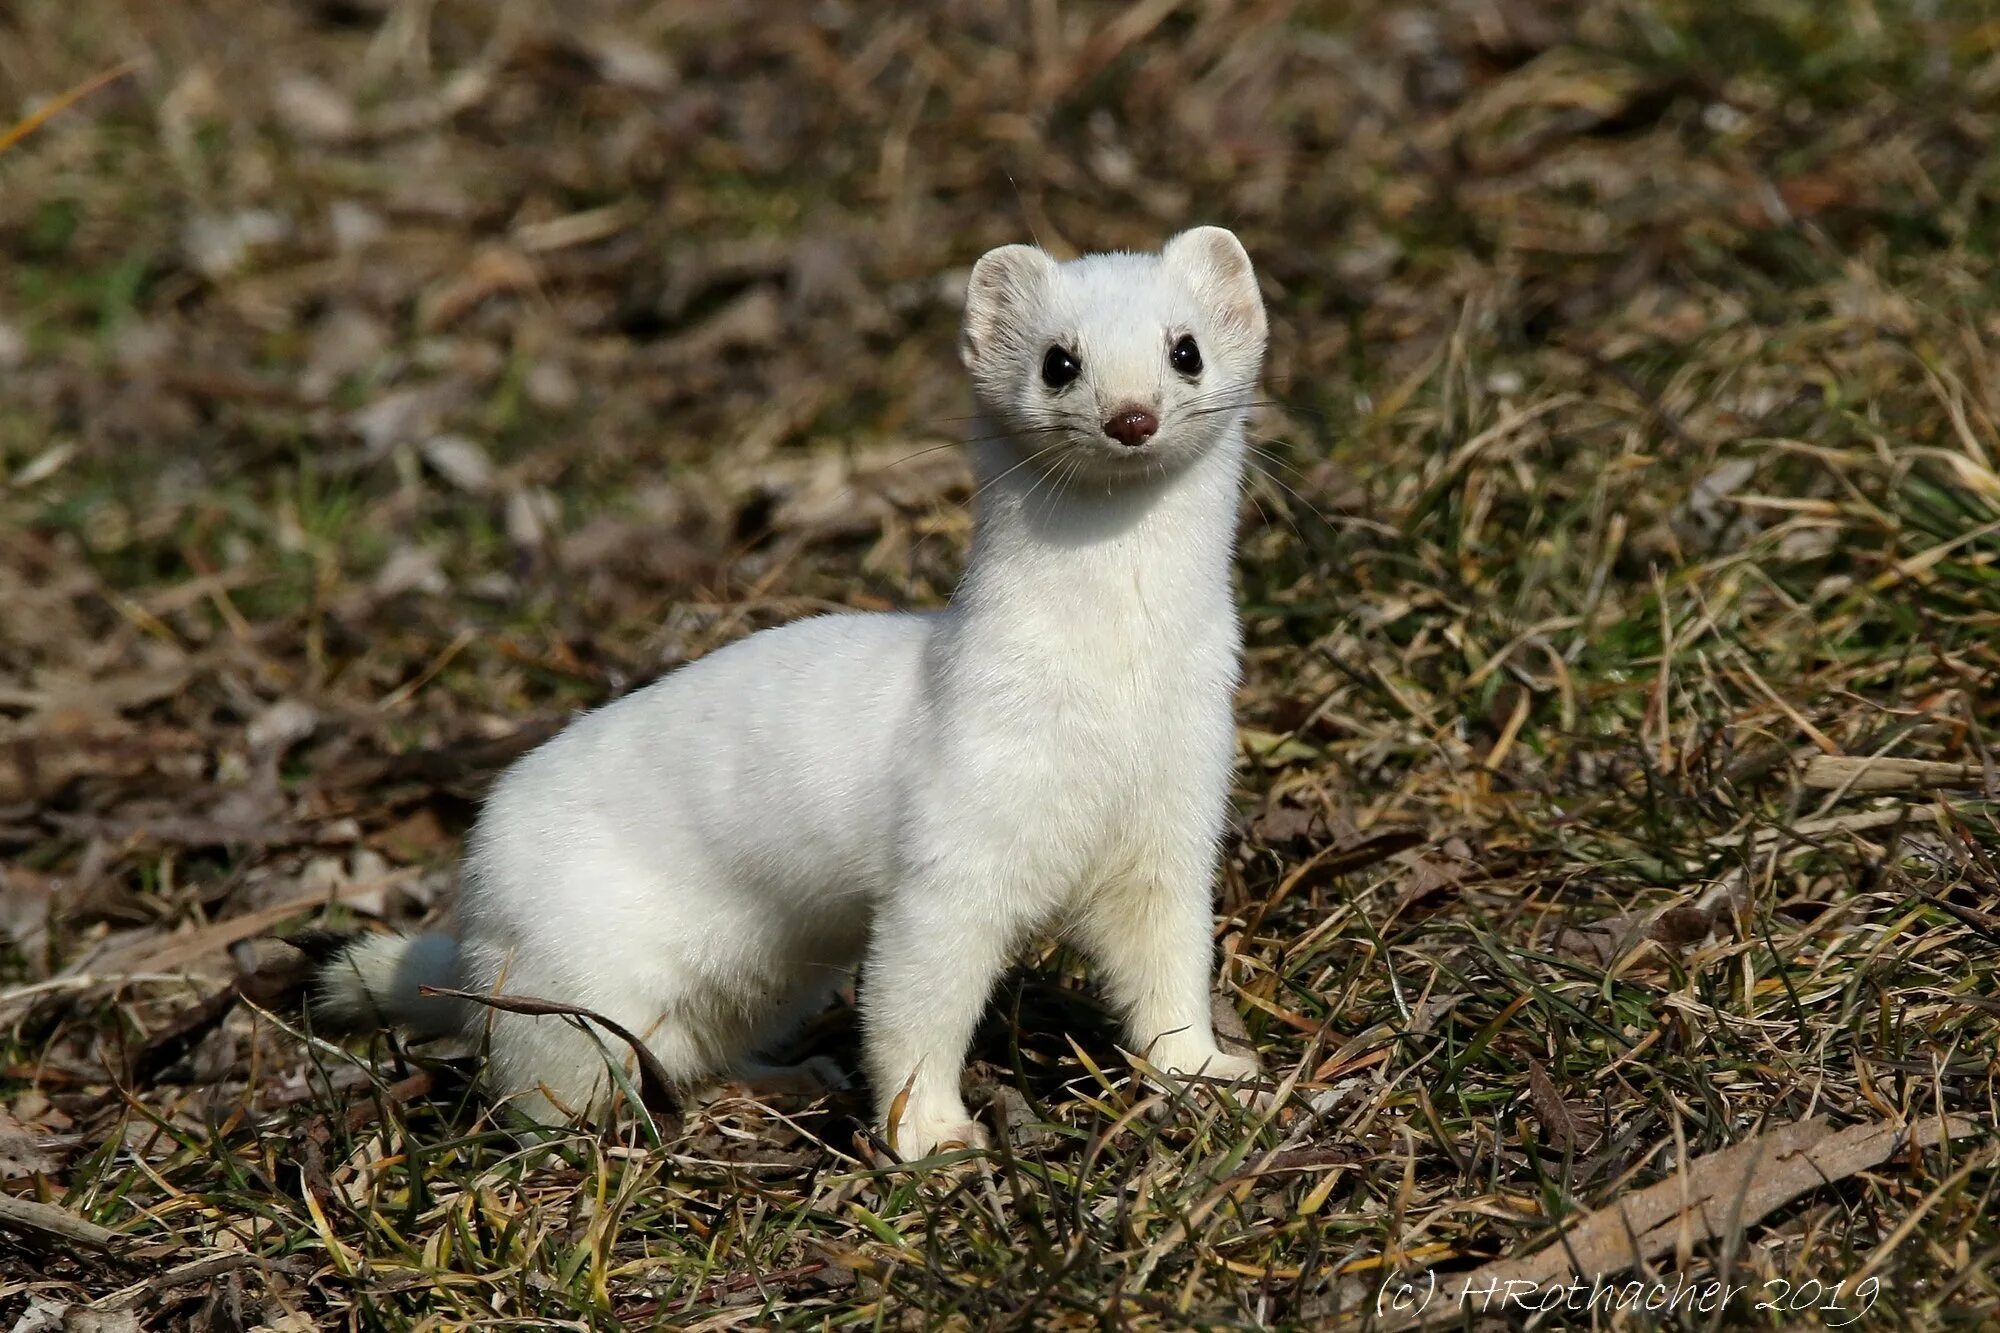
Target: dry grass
[(381, 380)]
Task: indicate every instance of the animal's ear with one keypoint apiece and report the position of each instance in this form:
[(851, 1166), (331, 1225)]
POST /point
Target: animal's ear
[(1217, 267), (1005, 283)]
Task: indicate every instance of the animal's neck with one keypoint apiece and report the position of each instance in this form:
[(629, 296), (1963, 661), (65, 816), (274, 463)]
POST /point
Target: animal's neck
[(1057, 560)]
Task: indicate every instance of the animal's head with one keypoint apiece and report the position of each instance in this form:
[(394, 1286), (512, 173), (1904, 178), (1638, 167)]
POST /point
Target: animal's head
[(1119, 364)]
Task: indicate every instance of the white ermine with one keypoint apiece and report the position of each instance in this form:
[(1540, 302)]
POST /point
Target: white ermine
[(708, 858)]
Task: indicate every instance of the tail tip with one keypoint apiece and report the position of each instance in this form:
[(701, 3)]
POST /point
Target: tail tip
[(376, 981)]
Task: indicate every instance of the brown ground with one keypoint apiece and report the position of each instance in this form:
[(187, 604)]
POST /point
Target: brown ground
[(382, 380)]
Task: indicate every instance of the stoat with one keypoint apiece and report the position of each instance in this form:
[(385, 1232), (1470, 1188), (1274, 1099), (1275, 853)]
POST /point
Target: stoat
[(705, 860)]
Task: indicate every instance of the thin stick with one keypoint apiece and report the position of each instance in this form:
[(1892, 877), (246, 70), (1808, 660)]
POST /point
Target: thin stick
[(62, 102), (656, 1087), (28, 1215)]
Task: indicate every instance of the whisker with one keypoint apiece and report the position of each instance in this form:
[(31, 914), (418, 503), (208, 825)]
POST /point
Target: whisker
[(1053, 500), (1214, 409), (961, 443), (1290, 522), (981, 490), (1270, 457), (1292, 491), (1043, 452), (1074, 474), (1262, 515), (1211, 404), (929, 449), (1036, 487), (1015, 434)]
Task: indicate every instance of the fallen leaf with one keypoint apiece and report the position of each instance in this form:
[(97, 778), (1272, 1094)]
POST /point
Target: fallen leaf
[(1858, 773), (95, 1319), (23, 1152), (1370, 848), (1563, 1124), (314, 110), (1014, 1118), (175, 952), (67, 699), (218, 246), (411, 569), (183, 1033), (404, 415), (281, 726), (1284, 827), (1807, 195), (344, 344), (627, 62), (1720, 1193), (35, 766), (418, 836), (25, 899), (1230, 1032), (42, 1315), (354, 226), (494, 271), (1449, 865), (753, 320), (460, 461), (1604, 942)]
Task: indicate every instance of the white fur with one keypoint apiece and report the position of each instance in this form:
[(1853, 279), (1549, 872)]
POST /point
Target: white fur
[(377, 981), (706, 859)]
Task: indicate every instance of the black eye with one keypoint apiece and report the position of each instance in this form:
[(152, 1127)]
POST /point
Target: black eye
[(1185, 356), (1060, 368)]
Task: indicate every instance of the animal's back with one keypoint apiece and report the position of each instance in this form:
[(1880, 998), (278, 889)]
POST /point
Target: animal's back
[(756, 772)]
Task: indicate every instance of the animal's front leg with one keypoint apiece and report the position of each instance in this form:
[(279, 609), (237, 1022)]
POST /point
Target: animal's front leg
[(936, 950), (1149, 932)]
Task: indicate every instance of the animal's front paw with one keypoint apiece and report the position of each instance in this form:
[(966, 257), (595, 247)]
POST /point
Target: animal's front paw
[(1239, 1076), (916, 1136), (1223, 1067)]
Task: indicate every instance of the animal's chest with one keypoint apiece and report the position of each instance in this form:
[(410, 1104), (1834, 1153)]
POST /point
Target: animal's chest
[(1102, 753), (1141, 721)]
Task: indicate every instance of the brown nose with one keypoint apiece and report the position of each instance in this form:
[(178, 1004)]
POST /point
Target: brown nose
[(1132, 427)]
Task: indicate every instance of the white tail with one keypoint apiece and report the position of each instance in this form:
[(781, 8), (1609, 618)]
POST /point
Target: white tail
[(374, 983)]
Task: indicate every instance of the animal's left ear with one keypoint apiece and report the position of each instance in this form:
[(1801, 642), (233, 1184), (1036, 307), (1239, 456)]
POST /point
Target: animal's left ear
[(1217, 267)]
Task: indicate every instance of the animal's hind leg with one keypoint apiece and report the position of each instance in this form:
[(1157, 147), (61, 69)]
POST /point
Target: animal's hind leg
[(547, 1068), (808, 1078), (805, 1078), (557, 1068)]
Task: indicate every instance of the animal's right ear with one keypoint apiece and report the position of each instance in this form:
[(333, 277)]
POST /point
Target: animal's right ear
[(1005, 283)]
